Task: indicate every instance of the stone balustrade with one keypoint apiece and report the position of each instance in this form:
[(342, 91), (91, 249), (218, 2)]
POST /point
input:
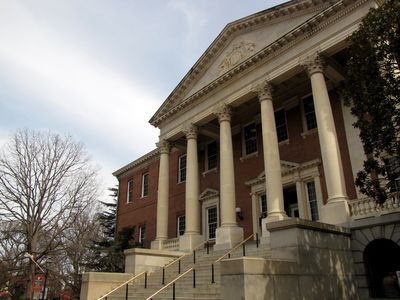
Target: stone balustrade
[(368, 207), (171, 244)]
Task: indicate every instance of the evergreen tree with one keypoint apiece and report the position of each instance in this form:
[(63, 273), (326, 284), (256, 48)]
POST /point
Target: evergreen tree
[(373, 93), (110, 248)]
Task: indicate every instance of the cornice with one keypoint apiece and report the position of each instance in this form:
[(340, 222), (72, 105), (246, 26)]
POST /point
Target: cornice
[(295, 36), (137, 162)]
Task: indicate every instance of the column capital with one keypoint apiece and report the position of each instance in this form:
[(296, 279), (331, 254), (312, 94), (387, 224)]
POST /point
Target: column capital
[(163, 146), (191, 131), (264, 91), (224, 113), (313, 64)]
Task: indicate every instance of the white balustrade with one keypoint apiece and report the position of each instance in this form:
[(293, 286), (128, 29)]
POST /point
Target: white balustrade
[(368, 207)]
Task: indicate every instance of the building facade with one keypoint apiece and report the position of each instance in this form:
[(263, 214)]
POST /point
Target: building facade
[(257, 132)]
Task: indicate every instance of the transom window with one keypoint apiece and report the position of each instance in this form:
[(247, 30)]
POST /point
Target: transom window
[(309, 113), (129, 194), (281, 128), (250, 138), (145, 185), (312, 200), (182, 168), (212, 155), (181, 225)]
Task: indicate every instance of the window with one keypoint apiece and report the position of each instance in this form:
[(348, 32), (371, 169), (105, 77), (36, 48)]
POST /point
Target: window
[(212, 155), (250, 138), (182, 168), (309, 113), (263, 206), (142, 234), (181, 225), (145, 185), (312, 200), (212, 221), (280, 123), (129, 195)]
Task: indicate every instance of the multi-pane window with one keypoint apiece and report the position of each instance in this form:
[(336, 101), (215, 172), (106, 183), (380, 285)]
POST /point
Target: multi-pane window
[(280, 123), (212, 221), (309, 113), (263, 206), (180, 222), (182, 168), (250, 138), (145, 185), (212, 155), (312, 200), (129, 194), (142, 234)]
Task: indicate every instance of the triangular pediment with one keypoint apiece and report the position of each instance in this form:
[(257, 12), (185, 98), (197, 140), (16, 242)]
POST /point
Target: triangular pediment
[(241, 42), (208, 193)]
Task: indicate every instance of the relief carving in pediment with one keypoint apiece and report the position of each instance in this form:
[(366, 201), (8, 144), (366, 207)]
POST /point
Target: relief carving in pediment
[(237, 54)]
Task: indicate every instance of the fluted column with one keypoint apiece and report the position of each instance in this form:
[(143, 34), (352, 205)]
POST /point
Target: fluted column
[(192, 236), (336, 211), (229, 233), (272, 162), (162, 196)]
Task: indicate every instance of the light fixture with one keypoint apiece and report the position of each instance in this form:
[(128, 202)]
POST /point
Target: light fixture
[(239, 213)]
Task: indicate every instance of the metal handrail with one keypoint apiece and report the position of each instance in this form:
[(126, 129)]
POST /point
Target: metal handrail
[(121, 285), (184, 255), (234, 248), (168, 284)]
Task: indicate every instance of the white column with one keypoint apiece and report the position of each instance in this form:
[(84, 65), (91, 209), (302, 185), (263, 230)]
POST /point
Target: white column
[(192, 237), (162, 196), (272, 162), (336, 211), (301, 199), (229, 234)]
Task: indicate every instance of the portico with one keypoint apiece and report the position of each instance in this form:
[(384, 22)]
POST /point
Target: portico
[(246, 76)]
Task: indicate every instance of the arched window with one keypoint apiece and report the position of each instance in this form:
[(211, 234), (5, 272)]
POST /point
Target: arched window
[(382, 259)]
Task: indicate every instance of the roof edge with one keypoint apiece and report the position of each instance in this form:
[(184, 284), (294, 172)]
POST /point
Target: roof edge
[(136, 162)]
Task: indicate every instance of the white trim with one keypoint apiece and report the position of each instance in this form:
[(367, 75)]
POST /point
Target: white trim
[(141, 233), (209, 202), (129, 198), (307, 131), (244, 154), (179, 179), (148, 178), (178, 223)]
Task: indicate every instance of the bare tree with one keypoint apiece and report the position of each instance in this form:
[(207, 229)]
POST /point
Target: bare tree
[(46, 181)]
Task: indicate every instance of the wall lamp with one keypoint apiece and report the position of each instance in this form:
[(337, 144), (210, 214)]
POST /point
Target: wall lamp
[(239, 213)]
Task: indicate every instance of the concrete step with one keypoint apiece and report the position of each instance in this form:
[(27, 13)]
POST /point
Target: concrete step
[(205, 290)]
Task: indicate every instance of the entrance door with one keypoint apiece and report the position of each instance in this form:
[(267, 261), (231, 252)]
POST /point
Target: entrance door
[(212, 221), (290, 201)]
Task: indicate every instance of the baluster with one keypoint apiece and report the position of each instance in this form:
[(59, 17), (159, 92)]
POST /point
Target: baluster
[(212, 273)]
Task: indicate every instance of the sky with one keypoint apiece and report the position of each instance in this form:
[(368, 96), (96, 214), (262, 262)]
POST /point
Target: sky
[(99, 69)]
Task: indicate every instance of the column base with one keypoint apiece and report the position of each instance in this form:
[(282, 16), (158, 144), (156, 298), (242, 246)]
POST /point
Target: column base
[(157, 244), (335, 212), (189, 241), (228, 237), (272, 217)]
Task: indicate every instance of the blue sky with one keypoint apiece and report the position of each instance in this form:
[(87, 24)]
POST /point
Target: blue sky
[(99, 69)]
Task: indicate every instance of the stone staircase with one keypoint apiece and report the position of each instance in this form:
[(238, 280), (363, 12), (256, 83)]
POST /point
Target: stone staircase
[(204, 288)]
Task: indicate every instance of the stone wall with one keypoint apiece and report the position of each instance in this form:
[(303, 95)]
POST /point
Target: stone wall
[(309, 261)]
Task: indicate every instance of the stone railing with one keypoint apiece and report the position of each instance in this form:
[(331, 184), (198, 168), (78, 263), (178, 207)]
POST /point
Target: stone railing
[(368, 207), (171, 244)]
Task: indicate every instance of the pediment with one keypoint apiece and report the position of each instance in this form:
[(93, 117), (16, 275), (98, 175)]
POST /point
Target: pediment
[(208, 194), (240, 42)]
